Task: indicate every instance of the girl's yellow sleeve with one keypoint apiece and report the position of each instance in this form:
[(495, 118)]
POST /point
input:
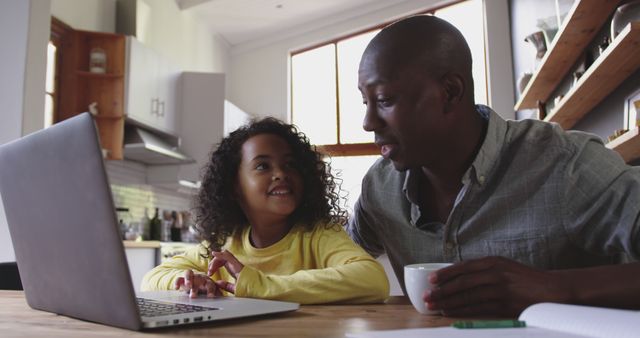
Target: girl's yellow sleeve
[(344, 273), (163, 276)]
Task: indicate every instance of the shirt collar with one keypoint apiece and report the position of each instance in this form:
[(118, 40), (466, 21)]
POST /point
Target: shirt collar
[(486, 158), (489, 152)]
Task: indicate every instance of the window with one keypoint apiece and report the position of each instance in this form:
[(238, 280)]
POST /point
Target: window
[(327, 106), (59, 33), (325, 101), (50, 85), (467, 17)]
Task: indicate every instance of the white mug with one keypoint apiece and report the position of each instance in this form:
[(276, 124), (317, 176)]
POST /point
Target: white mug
[(416, 282)]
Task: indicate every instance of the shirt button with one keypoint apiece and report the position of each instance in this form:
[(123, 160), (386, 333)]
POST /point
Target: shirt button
[(481, 179), (450, 245)]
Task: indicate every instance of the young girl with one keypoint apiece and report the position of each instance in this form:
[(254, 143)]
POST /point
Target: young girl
[(272, 227)]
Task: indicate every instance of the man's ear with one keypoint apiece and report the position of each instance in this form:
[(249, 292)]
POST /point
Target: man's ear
[(454, 88)]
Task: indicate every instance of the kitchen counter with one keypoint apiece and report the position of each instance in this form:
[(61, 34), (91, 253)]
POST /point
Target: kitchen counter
[(141, 244), (143, 256)]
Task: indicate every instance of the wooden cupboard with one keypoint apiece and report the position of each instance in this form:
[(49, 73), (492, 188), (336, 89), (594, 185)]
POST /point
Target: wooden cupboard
[(79, 87), (138, 85)]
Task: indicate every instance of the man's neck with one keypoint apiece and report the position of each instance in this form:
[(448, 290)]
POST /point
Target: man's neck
[(442, 182), (445, 175)]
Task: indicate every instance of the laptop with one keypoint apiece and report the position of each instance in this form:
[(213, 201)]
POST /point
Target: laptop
[(65, 234)]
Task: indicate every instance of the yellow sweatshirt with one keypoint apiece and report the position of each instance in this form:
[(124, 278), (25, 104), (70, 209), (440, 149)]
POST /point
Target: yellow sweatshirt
[(308, 267)]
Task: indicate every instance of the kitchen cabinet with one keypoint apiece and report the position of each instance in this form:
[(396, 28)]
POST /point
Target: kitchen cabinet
[(138, 85), (234, 117), (619, 60), (141, 257), (79, 87), (205, 117), (151, 87)]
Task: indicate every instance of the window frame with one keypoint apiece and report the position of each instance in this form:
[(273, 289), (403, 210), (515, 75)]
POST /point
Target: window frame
[(60, 35), (349, 149)]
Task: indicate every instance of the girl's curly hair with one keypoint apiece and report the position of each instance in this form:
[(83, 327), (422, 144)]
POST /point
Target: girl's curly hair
[(218, 213)]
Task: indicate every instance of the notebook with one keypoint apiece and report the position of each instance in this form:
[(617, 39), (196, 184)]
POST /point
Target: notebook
[(65, 234), (543, 320)]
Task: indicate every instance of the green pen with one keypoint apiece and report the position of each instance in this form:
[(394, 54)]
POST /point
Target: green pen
[(488, 324)]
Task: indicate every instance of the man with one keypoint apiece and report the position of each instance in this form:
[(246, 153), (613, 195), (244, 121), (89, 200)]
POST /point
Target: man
[(528, 212)]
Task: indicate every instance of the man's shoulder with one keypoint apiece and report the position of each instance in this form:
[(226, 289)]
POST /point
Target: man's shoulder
[(382, 166), (383, 171), (538, 135), (382, 182)]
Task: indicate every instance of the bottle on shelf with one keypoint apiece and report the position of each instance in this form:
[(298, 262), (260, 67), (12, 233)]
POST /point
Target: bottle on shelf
[(155, 226), (176, 227), (146, 225), (123, 229)]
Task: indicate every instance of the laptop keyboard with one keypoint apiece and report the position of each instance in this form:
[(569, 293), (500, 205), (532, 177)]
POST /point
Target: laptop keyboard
[(154, 308)]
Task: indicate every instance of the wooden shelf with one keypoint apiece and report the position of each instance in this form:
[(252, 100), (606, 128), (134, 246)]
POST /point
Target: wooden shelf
[(618, 61), (80, 88), (583, 21), (111, 134), (627, 145)]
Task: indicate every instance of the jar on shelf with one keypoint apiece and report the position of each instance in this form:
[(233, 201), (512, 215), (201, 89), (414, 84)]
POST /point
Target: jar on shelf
[(538, 41), (627, 12), (97, 60)]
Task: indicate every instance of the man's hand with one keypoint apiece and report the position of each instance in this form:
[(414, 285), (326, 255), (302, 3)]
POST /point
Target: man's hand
[(196, 284), (230, 263), (492, 286)]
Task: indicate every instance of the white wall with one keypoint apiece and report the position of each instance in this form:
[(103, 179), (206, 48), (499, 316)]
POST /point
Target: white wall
[(21, 24), (88, 15), (498, 57), (259, 73), (36, 70), (181, 37)]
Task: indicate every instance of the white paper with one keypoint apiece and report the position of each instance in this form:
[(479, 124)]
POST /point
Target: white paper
[(548, 320), (451, 332), (584, 320)]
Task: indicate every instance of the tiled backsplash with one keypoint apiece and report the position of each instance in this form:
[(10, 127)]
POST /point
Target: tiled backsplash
[(129, 188)]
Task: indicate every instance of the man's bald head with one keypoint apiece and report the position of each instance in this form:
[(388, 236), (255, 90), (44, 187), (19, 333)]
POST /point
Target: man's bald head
[(421, 43)]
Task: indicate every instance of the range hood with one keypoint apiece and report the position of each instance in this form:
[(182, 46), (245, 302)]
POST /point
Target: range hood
[(149, 147)]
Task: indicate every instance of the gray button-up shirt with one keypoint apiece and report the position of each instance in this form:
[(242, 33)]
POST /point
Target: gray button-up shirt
[(535, 193)]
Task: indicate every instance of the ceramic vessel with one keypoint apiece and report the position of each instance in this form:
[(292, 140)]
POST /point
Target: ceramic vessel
[(98, 60), (538, 41), (523, 81), (628, 12)]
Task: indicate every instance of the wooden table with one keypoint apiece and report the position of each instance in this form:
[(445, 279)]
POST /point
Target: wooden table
[(17, 319)]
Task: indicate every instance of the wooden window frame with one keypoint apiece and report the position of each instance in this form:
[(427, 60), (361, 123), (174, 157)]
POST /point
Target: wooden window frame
[(348, 149), (60, 35)]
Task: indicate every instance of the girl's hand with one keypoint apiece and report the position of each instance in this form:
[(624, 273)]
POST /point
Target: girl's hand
[(231, 263), (196, 283)]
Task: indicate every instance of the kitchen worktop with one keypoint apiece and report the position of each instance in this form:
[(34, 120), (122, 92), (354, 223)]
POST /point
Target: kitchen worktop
[(154, 244), (141, 244)]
